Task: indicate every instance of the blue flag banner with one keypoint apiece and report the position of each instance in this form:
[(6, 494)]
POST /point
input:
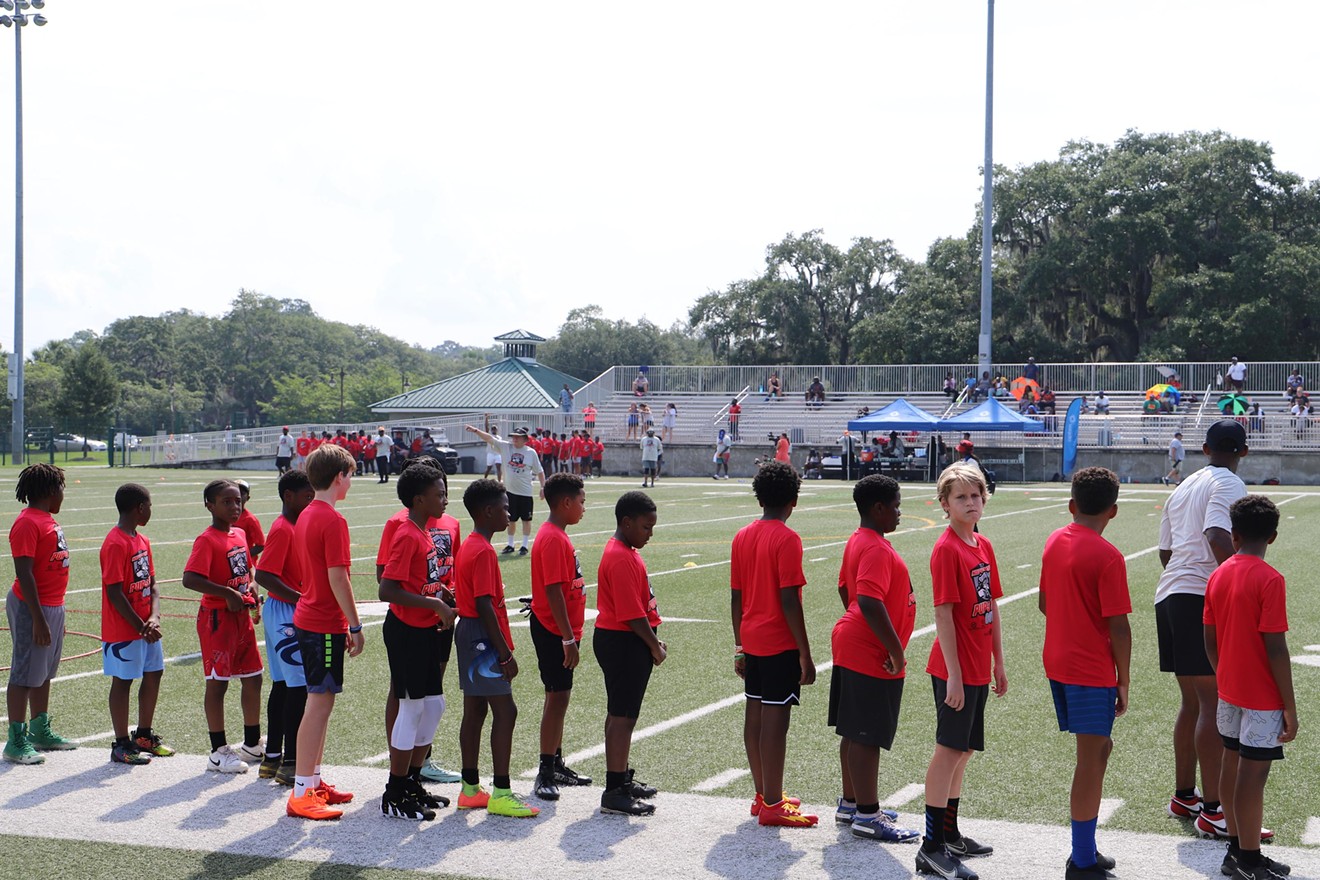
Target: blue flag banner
[(1071, 426)]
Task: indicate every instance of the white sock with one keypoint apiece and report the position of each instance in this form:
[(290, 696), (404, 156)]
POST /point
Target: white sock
[(301, 784), (525, 540)]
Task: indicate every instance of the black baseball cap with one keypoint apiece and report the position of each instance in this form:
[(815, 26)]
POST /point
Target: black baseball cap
[(1226, 435)]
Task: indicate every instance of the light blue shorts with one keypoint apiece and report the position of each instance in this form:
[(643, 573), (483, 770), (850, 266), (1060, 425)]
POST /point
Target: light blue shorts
[(129, 660), (283, 656)]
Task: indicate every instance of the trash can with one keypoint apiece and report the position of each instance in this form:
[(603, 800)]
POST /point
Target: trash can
[(467, 464)]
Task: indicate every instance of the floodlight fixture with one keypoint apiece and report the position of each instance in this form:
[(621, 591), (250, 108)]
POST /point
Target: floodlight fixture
[(39, 20)]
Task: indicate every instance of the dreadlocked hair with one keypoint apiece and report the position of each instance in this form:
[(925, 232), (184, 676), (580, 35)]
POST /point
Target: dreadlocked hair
[(38, 481)]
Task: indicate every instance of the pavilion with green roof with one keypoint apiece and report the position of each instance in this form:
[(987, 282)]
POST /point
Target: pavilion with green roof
[(516, 383)]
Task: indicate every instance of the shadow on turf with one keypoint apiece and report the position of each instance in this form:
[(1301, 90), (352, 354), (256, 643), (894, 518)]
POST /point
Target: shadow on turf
[(851, 857), (81, 782), (592, 839), (753, 851), (183, 791)]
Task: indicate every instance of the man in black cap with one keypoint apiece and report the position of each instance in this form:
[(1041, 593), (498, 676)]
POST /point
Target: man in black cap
[(1195, 537)]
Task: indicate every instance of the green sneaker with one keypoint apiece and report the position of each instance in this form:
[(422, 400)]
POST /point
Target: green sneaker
[(432, 771), (18, 750), (44, 739), (503, 802)]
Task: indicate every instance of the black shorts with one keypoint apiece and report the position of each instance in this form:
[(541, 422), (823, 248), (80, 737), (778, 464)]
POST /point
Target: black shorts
[(414, 656), (626, 662), (774, 680), (323, 660), (864, 708), (962, 730), (550, 658), (447, 644), (1182, 635), (520, 507), (282, 462)]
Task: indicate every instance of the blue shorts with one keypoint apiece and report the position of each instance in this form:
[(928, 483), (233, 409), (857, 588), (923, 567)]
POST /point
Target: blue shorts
[(129, 660), (1085, 710), (283, 656)]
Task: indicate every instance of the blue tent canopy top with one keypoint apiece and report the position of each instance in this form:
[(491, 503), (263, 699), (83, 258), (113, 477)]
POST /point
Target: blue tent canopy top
[(898, 416), (989, 416)]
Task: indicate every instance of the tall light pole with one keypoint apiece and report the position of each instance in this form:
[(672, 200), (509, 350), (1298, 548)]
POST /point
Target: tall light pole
[(987, 194), (18, 20)]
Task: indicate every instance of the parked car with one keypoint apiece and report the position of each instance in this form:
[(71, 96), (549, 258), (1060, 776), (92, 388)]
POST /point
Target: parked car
[(126, 441), (75, 443)]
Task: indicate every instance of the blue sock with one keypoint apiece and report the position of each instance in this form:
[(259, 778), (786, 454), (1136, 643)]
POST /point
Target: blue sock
[(1083, 843)]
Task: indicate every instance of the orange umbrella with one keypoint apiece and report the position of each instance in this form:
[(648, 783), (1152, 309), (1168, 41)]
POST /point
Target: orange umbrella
[(1019, 386)]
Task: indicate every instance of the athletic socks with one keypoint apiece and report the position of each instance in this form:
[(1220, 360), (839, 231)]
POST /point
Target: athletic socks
[(301, 784), (868, 811), (1211, 806), (218, 739), (251, 735), (1249, 858), (1233, 845), (525, 539), (396, 783), (1083, 842), (122, 740), (548, 766), (470, 776), (615, 780), (934, 838), (951, 831), (415, 772), (275, 719), (295, 703), (1185, 793), (144, 731), (502, 782)]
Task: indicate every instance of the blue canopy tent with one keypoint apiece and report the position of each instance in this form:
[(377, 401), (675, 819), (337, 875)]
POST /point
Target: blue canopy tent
[(994, 416), (898, 416)]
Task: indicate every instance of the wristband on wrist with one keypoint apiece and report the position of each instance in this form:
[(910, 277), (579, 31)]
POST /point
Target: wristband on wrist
[(737, 649), (506, 661), (355, 629), (568, 642)]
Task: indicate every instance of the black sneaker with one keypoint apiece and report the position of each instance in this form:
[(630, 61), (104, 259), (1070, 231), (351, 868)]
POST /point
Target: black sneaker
[(1092, 872), (400, 805), (508, 549), (621, 801), (544, 788), (942, 863), (522, 551), (565, 775), (964, 847), (1268, 869), (1105, 861), (639, 789), (414, 789)]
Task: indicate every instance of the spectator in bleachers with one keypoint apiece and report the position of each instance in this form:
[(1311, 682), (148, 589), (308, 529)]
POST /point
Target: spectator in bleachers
[(815, 392), (668, 422), (1255, 418), (634, 421), (773, 386), (1301, 413), (641, 385), (1296, 385), (648, 417), (1101, 403), (735, 412), (896, 447), (1236, 374), (951, 387), (1028, 400), (1031, 371), (1046, 402), (983, 387), (970, 387)]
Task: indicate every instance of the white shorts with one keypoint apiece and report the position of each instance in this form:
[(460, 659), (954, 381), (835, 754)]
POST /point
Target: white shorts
[(494, 458), (1254, 733)]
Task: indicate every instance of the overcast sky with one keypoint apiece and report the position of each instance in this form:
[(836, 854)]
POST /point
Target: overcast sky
[(509, 161)]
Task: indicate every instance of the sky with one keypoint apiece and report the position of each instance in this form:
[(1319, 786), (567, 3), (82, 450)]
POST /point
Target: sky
[(507, 162)]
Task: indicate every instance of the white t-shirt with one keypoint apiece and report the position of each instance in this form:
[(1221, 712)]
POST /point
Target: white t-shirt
[(1176, 449), (284, 447), (520, 466), (1237, 372), (651, 448), (1200, 502), (383, 444)]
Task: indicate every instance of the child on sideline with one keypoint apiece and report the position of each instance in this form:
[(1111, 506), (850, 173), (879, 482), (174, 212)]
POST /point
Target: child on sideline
[(35, 608), (326, 624), (446, 535), (486, 665), (279, 574), (219, 569), (1246, 618), (249, 523), (1088, 645), (559, 605), (627, 647), (869, 643), (965, 583), (413, 583), (130, 627), (771, 653)]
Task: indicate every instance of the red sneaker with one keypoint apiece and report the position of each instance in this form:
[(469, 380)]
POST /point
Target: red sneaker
[(785, 815), (332, 795), (759, 801), (311, 806), (1185, 808)]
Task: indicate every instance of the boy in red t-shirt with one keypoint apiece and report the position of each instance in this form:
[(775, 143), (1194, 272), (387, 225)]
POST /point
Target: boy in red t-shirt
[(868, 642), (219, 568), (558, 609), (771, 653), (735, 412), (130, 627), (627, 647), (1088, 646), (598, 456), (326, 624), (486, 665), (302, 447), (35, 608), (413, 583), (1246, 619), (965, 583), (249, 523)]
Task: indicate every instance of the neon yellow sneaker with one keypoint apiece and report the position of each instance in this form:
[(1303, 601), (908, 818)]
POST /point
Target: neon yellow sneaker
[(503, 802)]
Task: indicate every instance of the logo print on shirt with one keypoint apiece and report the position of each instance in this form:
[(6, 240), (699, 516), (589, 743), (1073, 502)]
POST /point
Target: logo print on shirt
[(516, 460), (141, 566), (444, 548), (983, 611), (61, 554)]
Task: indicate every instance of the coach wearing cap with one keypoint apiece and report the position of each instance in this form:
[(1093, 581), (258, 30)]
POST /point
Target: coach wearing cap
[(1195, 537)]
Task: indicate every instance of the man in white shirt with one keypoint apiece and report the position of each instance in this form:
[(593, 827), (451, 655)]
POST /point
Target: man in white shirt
[(1237, 375), (1176, 455), (383, 446), (652, 449), (521, 464), (1102, 404), (1195, 537), (283, 451)]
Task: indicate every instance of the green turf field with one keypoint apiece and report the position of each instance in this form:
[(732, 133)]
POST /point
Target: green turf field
[(1023, 775)]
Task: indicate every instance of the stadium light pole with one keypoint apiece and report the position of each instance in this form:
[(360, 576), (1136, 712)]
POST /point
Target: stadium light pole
[(983, 356), (18, 20)]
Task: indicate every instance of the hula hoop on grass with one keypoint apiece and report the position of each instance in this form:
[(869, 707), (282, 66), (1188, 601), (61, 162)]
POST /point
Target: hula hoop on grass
[(67, 632)]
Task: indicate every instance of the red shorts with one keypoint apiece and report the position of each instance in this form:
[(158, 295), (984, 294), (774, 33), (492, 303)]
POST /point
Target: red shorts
[(229, 644)]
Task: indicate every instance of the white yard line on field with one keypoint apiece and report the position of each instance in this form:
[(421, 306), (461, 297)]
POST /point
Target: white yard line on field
[(1108, 806), (904, 795), (719, 780)]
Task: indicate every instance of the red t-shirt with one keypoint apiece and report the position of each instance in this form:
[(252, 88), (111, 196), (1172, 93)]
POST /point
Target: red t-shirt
[(1084, 580), (316, 442), (303, 445), (415, 564), (477, 573), (35, 535), (968, 579), (623, 589), (368, 447), (597, 450), (734, 411), (126, 561), (251, 527), (555, 561), (872, 567), (565, 448), (1244, 598), (321, 541), (782, 450), (766, 558), (279, 558), (398, 518), (222, 558)]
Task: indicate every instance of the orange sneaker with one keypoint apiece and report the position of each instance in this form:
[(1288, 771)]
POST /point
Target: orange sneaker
[(332, 795), (311, 806), (473, 797), (785, 814), (759, 802)]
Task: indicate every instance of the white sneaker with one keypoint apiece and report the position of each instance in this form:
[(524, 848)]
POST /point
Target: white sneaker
[(223, 760), (251, 754)]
